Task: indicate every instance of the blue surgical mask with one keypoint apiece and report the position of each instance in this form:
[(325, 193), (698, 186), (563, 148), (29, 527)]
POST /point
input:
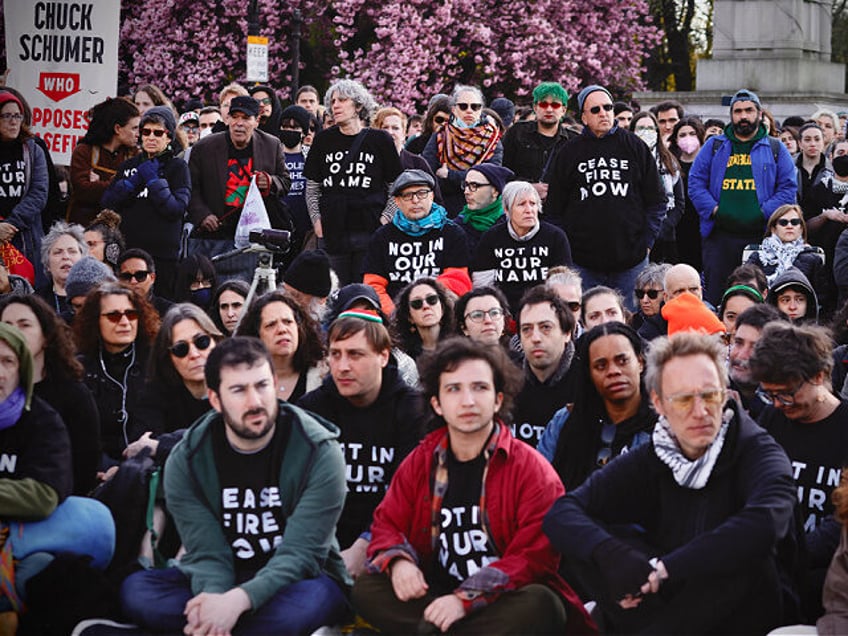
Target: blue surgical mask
[(201, 297)]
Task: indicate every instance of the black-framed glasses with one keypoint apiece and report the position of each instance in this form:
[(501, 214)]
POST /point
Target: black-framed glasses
[(12, 117), (784, 398), (607, 436), (479, 315), (430, 299), (180, 348), (651, 293), (597, 109), (473, 186), (116, 316), (140, 276), (417, 195), (146, 132), (440, 120), (466, 106), (784, 222)]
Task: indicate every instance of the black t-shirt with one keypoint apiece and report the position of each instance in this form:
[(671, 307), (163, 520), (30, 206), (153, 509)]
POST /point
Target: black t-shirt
[(464, 547), (12, 177), (251, 509), (818, 452)]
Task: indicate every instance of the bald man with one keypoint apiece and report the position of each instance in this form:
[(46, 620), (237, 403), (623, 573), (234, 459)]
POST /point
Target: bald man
[(678, 279)]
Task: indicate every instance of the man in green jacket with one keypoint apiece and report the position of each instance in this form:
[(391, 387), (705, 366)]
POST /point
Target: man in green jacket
[(256, 489)]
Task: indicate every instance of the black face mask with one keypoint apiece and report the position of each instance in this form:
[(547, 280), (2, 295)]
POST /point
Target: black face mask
[(840, 165), (291, 138)]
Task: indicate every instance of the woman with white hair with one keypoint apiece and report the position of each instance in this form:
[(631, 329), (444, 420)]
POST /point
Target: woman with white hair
[(470, 137), (63, 246), (516, 253), (349, 172)]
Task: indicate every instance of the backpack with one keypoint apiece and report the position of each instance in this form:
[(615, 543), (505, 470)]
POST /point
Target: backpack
[(131, 496), (774, 143)]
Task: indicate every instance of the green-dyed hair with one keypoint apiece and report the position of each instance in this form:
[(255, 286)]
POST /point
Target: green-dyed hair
[(552, 89)]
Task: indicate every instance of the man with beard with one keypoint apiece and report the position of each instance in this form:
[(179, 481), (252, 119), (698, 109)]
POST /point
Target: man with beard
[(736, 182), (749, 326), (529, 144), (256, 488)]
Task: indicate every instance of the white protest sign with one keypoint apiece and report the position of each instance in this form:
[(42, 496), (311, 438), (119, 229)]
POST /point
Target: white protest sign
[(63, 57), (257, 58)]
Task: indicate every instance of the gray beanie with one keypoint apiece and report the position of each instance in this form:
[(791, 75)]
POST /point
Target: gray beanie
[(161, 115), (86, 274)]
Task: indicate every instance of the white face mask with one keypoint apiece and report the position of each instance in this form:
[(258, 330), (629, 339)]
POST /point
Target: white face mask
[(649, 136)]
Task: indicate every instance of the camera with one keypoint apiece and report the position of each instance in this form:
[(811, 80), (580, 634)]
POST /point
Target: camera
[(278, 241)]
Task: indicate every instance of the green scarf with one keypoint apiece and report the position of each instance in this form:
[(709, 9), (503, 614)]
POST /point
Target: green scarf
[(484, 218)]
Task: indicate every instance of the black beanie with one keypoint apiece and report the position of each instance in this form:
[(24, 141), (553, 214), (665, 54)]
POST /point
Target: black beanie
[(309, 273), (498, 176)]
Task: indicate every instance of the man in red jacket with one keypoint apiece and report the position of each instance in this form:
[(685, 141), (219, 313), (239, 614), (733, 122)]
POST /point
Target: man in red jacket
[(457, 540)]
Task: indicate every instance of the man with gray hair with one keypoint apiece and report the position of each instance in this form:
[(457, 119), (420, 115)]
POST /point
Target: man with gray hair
[(349, 172)]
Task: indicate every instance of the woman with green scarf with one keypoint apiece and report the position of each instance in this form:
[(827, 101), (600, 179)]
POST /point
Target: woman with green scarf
[(483, 204)]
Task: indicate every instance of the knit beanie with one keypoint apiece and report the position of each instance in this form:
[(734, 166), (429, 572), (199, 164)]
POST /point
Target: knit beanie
[(497, 175), (309, 273), (15, 339), (582, 95), (85, 274), (297, 113), (505, 108), (687, 312), (160, 115), (6, 96)]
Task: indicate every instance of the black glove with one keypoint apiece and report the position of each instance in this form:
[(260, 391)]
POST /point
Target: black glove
[(623, 568)]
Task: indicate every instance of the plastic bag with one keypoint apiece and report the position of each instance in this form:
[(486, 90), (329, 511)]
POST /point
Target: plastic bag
[(254, 216)]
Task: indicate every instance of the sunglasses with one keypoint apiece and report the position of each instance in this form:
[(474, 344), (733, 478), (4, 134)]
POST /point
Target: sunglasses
[(265, 100), (549, 105), (651, 293), (596, 109), (418, 303), (146, 132), (440, 120), (683, 403), (785, 222), (116, 316), (573, 306), (140, 276), (180, 348), (466, 106), (607, 437)]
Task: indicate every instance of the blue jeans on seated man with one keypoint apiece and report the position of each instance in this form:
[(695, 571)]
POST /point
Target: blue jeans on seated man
[(624, 281), (155, 600)]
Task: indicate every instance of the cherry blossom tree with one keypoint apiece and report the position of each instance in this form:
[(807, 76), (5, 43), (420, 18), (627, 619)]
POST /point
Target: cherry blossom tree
[(404, 51)]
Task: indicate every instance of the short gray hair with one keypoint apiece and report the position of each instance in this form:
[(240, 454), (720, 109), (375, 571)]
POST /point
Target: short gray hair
[(514, 189), (564, 275), (462, 88), (653, 274), (365, 103), (685, 343), (57, 231)]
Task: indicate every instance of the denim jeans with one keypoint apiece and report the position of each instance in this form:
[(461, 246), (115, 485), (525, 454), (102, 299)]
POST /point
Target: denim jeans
[(624, 281), (155, 600)]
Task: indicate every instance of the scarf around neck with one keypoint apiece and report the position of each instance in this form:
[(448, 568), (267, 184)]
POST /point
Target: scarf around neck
[(773, 251), (688, 473), (434, 221), (11, 408), (484, 218), (462, 148)]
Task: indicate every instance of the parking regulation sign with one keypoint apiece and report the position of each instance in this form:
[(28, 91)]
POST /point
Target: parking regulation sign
[(257, 58)]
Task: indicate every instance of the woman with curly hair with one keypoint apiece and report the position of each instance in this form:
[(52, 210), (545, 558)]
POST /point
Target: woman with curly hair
[(292, 338), (112, 138), (423, 316), (114, 331), (58, 381), (104, 239)]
